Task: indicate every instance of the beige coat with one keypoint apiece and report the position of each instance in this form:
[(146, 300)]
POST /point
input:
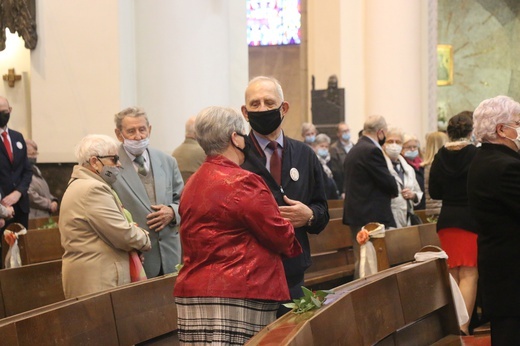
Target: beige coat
[(96, 236)]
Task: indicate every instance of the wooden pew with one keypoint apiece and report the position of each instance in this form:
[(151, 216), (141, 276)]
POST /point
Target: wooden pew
[(336, 213), (408, 304), (126, 315), (335, 203), (145, 310), (332, 255), (401, 244), (41, 221), (38, 245), (29, 287)]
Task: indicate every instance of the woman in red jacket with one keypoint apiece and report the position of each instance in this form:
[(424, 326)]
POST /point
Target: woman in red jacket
[(233, 240)]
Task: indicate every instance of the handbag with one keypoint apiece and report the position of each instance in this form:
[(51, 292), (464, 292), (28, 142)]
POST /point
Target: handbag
[(414, 219)]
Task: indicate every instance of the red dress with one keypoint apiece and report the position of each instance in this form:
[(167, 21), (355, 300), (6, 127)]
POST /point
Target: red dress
[(233, 237)]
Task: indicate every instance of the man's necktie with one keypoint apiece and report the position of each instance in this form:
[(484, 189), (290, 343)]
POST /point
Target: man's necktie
[(141, 169), (7, 146), (276, 162)]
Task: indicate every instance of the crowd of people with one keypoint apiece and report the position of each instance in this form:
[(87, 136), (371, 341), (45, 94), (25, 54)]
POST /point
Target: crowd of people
[(234, 208)]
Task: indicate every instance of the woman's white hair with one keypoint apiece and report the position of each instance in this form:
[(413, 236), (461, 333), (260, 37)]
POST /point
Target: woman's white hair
[(214, 127), (95, 145), (491, 112), (395, 131)]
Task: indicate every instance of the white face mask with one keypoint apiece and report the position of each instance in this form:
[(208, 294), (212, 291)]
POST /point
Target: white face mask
[(517, 139), (393, 150), (135, 147)]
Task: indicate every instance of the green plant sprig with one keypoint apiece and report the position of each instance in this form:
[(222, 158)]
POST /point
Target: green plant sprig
[(310, 300)]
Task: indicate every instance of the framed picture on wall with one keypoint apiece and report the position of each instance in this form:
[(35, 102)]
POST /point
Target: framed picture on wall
[(444, 64)]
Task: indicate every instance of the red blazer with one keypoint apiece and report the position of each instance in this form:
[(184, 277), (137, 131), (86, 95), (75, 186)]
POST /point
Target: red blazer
[(232, 235)]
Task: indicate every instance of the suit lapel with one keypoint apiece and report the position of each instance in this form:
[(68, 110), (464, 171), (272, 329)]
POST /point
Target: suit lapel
[(129, 175)]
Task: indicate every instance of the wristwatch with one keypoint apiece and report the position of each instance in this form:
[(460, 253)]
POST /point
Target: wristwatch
[(311, 219)]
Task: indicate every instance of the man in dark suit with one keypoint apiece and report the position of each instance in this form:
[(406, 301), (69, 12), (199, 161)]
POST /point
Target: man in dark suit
[(368, 184), (338, 153), (15, 169), (494, 200), (297, 181)]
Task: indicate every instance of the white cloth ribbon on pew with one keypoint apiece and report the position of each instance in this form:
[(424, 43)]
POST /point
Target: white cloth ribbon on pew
[(460, 306), (13, 259), (367, 254)]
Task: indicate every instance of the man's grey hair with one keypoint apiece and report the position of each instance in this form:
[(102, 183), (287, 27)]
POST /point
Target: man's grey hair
[(189, 129), (214, 127), (374, 123), (278, 87), (132, 112), (95, 145), (321, 138), (491, 112)]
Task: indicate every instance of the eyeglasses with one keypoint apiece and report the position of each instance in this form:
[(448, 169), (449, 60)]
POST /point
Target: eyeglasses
[(115, 158)]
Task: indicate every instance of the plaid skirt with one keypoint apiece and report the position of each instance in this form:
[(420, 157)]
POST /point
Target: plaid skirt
[(221, 321)]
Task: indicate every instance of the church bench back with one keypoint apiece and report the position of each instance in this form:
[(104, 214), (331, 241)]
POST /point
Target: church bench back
[(29, 287), (41, 221), (40, 245), (331, 253), (401, 244), (126, 315), (408, 304)]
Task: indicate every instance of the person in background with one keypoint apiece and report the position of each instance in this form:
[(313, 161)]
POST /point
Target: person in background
[(412, 154), (95, 233), (290, 169), (5, 213), (434, 142), (338, 152), (409, 191), (456, 228), (189, 154), (369, 186), (15, 170), (229, 288), (494, 200), (42, 202), (321, 148), (150, 187), (309, 133)]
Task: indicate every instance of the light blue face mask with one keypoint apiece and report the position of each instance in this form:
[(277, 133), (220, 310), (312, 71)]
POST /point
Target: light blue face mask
[(310, 139), (412, 154), (346, 136), (322, 152)]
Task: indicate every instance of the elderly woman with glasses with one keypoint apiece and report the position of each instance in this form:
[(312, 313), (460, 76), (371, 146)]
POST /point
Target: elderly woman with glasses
[(95, 232), (494, 199), (233, 238)]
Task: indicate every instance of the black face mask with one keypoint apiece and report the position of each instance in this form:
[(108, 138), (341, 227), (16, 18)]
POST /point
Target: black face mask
[(381, 141), (32, 160), (246, 146), (265, 122), (4, 118)]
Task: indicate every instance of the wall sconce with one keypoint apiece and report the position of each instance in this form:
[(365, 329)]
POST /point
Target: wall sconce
[(11, 77)]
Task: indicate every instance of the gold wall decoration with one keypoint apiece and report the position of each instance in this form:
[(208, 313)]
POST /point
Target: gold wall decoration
[(18, 16), (11, 77), (444, 64)]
